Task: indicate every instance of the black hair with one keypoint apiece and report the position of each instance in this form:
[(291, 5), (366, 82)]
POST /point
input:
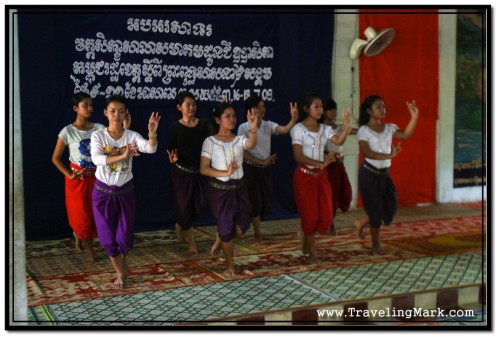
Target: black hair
[(78, 97), (179, 99), (305, 101), (329, 104), (116, 98), (364, 116), (218, 110), (252, 102)]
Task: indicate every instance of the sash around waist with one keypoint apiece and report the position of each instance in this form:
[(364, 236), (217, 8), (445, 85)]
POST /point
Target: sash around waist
[(114, 190)]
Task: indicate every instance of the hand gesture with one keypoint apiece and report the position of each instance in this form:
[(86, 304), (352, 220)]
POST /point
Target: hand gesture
[(271, 160), (77, 174), (154, 121), (395, 150), (128, 120), (233, 166), (252, 120), (294, 111), (329, 158), (173, 156), (347, 119), (131, 151), (413, 108)]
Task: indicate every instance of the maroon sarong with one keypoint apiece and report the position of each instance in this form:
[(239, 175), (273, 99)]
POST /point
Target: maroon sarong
[(341, 187)]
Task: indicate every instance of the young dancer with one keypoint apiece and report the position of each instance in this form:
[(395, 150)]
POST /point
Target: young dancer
[(337, 174), (257, 161), (227, 194), (79, 178), (186, 137), (113, 196), (376, 187), (313, 193)]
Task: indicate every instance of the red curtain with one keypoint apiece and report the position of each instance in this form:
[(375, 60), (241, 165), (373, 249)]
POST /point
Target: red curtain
[(407, 69)]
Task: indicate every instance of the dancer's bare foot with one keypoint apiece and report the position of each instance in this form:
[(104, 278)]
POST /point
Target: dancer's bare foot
[(333, 230), (90, 258), (360, 228), (217, 246), (125, 268), (119, 282), (256, 228), (181, 238), (377, 249), (78, 242), (230, 271), (302, 242), (258, 237), (89, 243), (312, 259), (188, 234)]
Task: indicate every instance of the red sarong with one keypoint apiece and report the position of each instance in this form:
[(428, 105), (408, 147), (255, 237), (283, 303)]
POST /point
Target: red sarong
[(78, 195), (313, 197)]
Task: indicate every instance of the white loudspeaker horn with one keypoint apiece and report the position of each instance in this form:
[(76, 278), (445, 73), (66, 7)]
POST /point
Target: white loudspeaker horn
[(375, 43)]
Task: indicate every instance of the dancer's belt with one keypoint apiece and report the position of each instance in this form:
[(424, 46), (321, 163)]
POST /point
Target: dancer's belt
[(377, 171), (254, 164), (187, 170), (306, 171), (222, 186), (110, 192)]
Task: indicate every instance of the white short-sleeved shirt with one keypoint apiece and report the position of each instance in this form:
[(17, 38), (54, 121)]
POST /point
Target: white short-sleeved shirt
[(313, 143), (221, 154), (379, 142), (102, 145), (263, 148), (330, 145), (78, 143)]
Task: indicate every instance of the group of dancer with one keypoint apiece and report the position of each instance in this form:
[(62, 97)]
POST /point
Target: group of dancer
[(230, 172)]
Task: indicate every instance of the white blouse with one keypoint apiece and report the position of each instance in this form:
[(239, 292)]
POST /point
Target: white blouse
[(313, 143), (330, 145), (221, 154), (263, 148), (379, 142)]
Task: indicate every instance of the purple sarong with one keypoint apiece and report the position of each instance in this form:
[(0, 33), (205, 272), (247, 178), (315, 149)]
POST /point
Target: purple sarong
[(229, 205), (114, 213)]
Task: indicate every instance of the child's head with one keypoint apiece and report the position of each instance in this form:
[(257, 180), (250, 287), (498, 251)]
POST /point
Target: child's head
[(330, 109), (186, 102), (310, 104), (257, 103), (368, 107), (117, 99), (116, 109), (81, 103), (224, 116)]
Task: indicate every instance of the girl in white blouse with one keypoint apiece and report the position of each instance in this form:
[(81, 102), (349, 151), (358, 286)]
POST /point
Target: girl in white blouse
[(376, 187), (227, 194), (313, 195)]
